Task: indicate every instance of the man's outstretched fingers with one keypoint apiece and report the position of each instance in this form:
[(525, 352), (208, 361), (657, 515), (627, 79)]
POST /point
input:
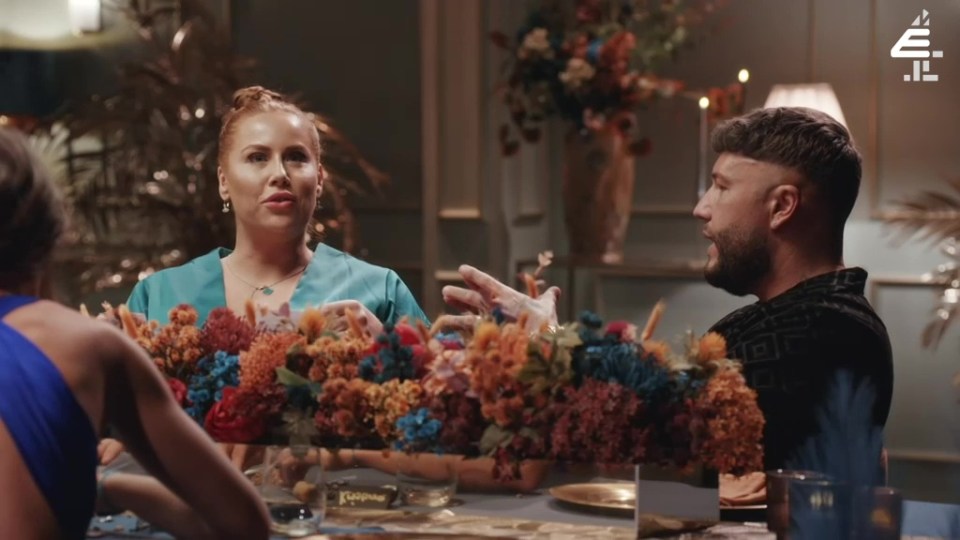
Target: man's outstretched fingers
[(481, 281), (464, 299)]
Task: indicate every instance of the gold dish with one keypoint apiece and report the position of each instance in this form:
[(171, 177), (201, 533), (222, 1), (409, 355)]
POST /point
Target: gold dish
[(397, 536), (619, 496)]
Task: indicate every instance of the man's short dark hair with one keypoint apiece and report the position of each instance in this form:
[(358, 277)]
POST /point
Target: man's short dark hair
[(806, 140)]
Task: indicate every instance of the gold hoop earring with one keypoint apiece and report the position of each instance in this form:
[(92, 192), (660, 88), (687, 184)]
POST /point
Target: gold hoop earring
[(226, 206)]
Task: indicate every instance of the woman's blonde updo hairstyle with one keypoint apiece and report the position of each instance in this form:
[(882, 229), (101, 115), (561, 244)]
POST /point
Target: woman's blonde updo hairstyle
[(257, 99)]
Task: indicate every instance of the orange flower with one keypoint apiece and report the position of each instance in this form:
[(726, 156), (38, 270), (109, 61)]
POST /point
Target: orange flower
[(174, 347), (486, 332), (335, 357), (505, 411), (312, 323), (729, 423), (343, 407), (389, 401), (267, 352), (711, 347), (183, 315), (659, 349)]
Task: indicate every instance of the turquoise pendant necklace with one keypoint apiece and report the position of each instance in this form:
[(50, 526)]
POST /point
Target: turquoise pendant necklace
[(267, 290)]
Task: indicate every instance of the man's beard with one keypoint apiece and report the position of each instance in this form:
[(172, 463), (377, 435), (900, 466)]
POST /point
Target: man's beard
[(742, 261)]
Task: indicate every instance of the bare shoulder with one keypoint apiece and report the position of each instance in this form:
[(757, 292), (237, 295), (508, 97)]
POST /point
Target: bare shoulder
[(54, 325)]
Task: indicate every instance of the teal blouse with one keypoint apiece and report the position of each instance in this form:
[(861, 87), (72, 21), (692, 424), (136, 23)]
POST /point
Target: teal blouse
[(331, 276)]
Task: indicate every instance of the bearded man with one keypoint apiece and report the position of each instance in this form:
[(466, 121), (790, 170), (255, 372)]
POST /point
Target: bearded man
[(783, 186)]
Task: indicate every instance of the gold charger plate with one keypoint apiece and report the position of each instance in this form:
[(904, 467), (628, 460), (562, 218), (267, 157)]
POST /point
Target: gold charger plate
[(620, 497), (396, 536), (617, 496)]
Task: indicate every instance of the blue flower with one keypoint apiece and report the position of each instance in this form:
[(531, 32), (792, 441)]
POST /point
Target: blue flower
[(392, 361), (607, 359), (593, 50), (213, 374), (591, 320), (418, 431)]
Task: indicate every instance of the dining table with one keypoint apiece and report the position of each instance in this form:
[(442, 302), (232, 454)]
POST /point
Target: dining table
[(537, 515)]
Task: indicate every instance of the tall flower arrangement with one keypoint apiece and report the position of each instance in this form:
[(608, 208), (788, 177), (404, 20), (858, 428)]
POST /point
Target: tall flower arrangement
[(595, 63)]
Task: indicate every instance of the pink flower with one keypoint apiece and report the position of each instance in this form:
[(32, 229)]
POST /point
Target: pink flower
[(593, 120), (446, 373)]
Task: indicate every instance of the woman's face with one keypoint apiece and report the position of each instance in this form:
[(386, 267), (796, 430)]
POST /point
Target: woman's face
[(271, 172)]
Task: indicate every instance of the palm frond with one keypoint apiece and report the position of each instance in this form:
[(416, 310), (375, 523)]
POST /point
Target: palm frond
[(929, 216)]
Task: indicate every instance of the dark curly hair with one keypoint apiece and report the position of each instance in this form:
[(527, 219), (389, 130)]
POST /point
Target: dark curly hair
[(31, 212)]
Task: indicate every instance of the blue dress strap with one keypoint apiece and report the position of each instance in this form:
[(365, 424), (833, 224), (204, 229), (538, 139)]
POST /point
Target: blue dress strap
[(11, 302), (52, 432)]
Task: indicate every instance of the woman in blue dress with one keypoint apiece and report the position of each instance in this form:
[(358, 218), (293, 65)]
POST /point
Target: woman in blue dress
[(63, 377)]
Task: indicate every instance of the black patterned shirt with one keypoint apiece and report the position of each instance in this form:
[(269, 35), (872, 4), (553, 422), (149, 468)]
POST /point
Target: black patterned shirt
[(792, 345)]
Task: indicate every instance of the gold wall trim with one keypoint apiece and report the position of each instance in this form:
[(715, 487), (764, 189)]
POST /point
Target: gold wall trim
[(448, 276), (926, 456), (873, 120), (460, 214), (892, 280), (812, 40), (461, 120), (430, 150)]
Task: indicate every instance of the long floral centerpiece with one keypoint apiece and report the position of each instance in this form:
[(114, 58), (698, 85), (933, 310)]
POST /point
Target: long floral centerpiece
[(582, 392)]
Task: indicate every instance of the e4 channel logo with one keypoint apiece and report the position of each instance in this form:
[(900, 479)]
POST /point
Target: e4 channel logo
[(915, 45)]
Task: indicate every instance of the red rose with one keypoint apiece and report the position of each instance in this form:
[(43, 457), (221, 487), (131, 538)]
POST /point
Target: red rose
[(622, 330), (408, 334), (179, 390), (225, 425)]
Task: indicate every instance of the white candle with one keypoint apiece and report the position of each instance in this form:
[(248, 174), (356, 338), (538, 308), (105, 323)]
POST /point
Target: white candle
[(702, 158)]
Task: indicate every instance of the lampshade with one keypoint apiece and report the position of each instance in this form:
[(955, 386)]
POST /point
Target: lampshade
[(817, 96), (85, 15), (35, 19), (46, 24)]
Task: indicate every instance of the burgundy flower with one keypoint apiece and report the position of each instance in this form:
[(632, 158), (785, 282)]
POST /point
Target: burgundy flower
[(224, 331), (589, 11), (179, 390)]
